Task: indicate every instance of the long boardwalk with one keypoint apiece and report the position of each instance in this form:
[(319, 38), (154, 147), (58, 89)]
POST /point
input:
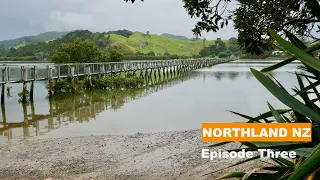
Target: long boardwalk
[(31, 73)]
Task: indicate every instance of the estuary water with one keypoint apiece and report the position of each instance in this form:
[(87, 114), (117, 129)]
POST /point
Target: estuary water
[(203, 95)]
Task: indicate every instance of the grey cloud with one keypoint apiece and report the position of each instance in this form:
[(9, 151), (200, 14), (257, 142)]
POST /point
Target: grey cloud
[(29, 17)]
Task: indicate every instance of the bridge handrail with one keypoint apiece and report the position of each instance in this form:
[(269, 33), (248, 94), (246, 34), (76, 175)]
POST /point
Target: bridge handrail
[(56, 71), (123, 62)]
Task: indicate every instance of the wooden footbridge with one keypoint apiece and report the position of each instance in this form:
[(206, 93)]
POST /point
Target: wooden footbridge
[(19, 73)]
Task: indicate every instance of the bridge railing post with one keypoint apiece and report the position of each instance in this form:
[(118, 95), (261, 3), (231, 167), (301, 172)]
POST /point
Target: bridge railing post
[(5, 78), (34, 78), (102, 69), (72, 70), (58, 71), (5, 75), (24, 79), (24, 74), (77, 69)]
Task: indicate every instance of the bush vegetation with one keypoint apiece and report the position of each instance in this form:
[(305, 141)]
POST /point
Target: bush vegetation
[(115, 56), (78, 52), (107, 82)]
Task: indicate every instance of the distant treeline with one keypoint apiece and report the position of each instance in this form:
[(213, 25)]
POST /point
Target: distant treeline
[(43, 50), (33, 39), (47, 49), (25, 58)]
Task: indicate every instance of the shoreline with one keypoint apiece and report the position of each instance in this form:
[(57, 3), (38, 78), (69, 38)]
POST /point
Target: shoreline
[(164, 155)]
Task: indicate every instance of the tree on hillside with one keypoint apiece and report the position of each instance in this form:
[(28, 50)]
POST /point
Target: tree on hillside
[(108, 39), (78, 52), (12, 51), (115, 56), (151, 53), (3, 49), (204, 52), (42, 56), (78, 34), (124, 32), (146, 35), (221, 46), (214, 49), (204, 42), (100, 40), (233, 48), (166, 53), (138, 53), (233, 41)]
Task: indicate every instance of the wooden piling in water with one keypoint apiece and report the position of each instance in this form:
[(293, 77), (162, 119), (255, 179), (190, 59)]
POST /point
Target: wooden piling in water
[(50, 119), (5, 78), (2, 93), (159, 73), (4, 117), (34, 78), (31, 90), (50, 89), (155, 74), (24, 85), (26, 131), (88, 73), (72, 71), (49, 77), (150, 73)]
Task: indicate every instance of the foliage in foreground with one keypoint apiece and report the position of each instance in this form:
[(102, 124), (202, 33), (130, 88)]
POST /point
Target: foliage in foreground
[(307, 164)]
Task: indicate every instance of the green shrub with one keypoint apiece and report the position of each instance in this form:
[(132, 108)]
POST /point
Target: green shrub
[(78, 51), (62, 86), (115, 56)]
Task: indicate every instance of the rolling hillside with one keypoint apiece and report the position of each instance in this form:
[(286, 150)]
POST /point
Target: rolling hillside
[(175, 36), (157, 44), (128, 42), (22, 41)]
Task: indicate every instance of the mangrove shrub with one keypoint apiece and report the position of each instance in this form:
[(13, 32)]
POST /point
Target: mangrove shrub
[(106, 82)]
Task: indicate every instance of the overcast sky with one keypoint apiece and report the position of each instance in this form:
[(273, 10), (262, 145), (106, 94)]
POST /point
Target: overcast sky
[(30, 17)]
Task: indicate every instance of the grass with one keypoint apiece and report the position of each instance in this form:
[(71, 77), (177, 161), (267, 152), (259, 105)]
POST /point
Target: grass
[(158, 44)]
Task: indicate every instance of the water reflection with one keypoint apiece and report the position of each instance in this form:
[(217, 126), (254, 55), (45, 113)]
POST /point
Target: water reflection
[(80, 108), (231, 75)]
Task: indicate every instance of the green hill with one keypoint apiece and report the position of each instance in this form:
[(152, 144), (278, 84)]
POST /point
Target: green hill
[(175, 36), (157, 44), (22, 41), (128, 42)]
